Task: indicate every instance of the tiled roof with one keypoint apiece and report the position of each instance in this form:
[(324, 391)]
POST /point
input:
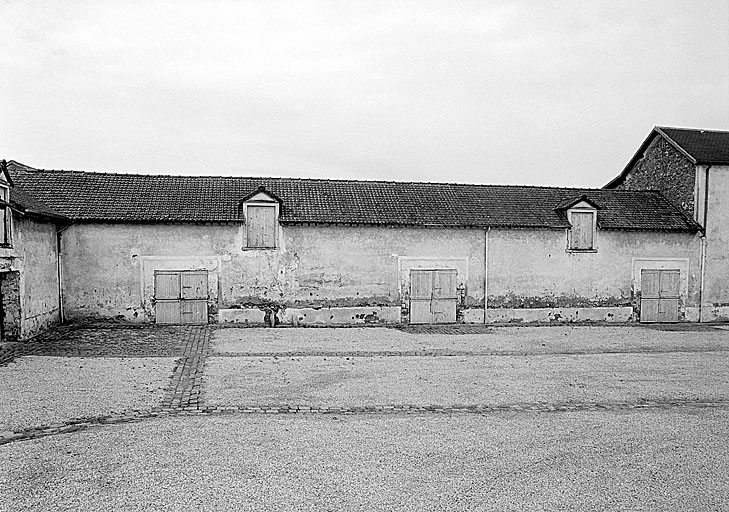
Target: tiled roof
[(24, 203), (702, 146), (28, 205), (91, 196)]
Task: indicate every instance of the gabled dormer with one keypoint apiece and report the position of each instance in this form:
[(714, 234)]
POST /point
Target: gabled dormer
[(260, 211), (581, 213), (5, 213)]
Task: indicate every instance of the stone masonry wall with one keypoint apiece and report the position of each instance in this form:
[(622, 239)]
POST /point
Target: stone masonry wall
[(664, 168), (11, 314)]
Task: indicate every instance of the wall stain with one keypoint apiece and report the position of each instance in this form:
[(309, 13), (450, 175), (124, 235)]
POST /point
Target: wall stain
[(513, 301)]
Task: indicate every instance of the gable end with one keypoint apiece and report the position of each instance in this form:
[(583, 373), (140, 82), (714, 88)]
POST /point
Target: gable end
[(658, 165)]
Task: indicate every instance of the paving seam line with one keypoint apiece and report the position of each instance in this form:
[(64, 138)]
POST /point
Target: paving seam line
[(452, 353), (390, 409)]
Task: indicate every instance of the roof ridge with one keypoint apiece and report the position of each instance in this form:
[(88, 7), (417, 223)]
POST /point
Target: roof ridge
[(700, 130), (325, 180)]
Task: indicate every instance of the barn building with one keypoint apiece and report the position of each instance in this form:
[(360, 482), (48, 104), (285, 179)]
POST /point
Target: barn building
[(648, 247)]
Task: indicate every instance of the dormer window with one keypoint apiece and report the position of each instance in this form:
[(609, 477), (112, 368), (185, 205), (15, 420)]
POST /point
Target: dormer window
[(583, 230), (581, 215), (260, 212)]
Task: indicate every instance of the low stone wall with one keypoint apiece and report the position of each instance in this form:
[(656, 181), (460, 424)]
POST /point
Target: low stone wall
[(314, 316), (559, 315), (713, 313)]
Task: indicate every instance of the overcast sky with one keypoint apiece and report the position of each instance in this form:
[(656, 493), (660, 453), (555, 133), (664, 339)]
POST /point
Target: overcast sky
[(544, 93)]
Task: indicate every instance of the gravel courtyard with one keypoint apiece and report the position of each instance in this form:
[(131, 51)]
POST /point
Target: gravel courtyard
[(517, 418), (661, 460), (41, 391)]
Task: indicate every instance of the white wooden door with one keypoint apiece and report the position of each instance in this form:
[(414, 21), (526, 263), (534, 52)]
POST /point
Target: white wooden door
[(166, 297), (433, 296), (659, 295), (181, 297), (421, 295)]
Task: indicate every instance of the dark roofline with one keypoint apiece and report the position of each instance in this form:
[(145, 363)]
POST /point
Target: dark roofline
[(695, 227), (26, 168), (261, 190), (660, 129), (569, 203), (638, 154), (37, 215)]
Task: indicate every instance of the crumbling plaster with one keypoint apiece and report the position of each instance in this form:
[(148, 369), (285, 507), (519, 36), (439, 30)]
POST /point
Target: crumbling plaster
[(108, 267), (325, 273)]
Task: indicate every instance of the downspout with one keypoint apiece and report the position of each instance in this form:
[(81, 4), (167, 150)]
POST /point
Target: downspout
[(486, 272), (59, 269), (702, 271)]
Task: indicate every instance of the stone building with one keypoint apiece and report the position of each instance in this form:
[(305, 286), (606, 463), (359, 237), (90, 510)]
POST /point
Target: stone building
[(691, 169), (182, 249), (29, 282)]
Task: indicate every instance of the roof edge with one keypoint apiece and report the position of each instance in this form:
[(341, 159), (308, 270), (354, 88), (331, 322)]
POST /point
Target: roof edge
[(657, 130), (675, 144)]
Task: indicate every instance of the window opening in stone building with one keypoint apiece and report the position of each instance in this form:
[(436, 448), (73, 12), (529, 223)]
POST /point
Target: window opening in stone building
[(5, 217)]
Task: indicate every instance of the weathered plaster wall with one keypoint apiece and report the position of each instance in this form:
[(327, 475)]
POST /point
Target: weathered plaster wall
[(322, 274), (363, 265), (108, 268), (39, 281), (664, 168), (716, 288), (32, 261), (530, 269)]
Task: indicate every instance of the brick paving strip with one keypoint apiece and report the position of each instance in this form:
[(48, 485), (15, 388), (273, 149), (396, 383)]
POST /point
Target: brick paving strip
[(185, 390), (258, 409)]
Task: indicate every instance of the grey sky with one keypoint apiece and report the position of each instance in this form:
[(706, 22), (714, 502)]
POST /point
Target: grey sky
[(552, 93)]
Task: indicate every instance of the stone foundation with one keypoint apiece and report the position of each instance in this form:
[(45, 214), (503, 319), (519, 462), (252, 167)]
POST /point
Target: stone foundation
[(375, 315), (559, 315)]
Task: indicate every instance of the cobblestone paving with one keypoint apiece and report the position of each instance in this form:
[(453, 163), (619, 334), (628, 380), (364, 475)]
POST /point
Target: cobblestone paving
[(108, 341), (517, 408), (185, 388), (445, 329), (192, 344)]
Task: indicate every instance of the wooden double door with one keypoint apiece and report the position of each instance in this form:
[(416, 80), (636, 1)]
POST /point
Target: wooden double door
[(659, 295), (433, 296), (181, 296)]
